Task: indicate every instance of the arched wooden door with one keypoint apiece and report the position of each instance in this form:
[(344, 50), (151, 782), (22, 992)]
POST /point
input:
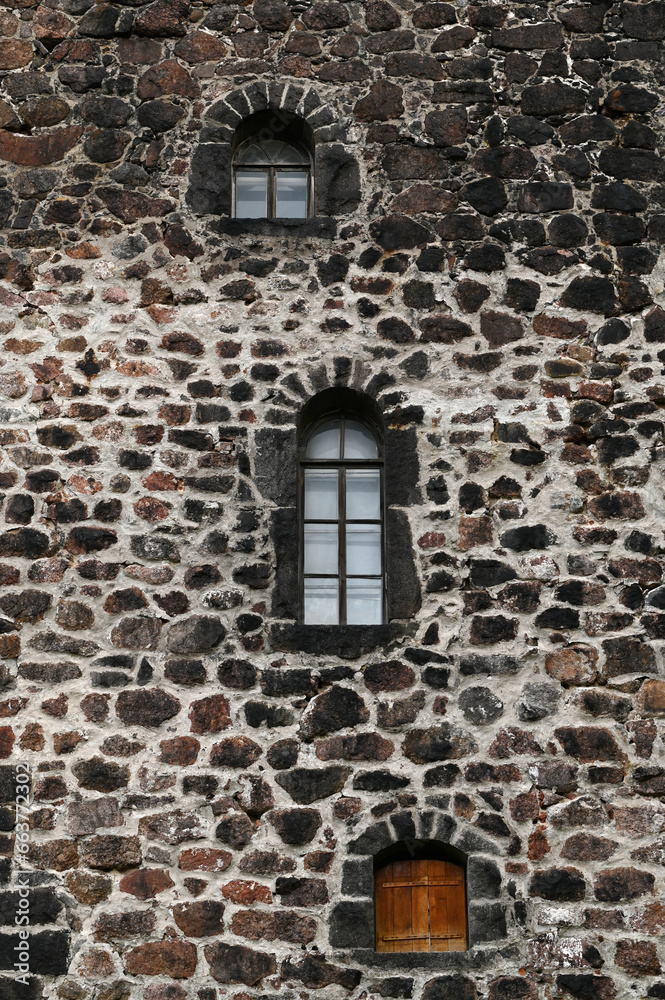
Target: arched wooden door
[(420, 906)]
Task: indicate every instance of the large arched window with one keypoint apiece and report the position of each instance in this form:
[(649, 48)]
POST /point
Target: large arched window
[(419, 901), (272, 179), (342, 561)]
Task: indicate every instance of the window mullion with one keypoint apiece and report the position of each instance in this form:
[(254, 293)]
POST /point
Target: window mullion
[(342, 540)]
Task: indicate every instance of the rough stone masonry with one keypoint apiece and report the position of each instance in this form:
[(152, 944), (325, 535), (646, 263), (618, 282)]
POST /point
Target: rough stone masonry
[(211, 780)]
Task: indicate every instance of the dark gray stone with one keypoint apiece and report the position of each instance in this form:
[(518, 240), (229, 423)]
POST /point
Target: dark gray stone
[(309, 784), (209, 191), (480, 705), (337, 175), (403, 585), (352, 925), (537, 700), (483, 878), (358, 878), (487, 923), (276, 465)]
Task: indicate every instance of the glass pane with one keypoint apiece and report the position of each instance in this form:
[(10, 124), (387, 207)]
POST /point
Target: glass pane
[(251, 194), (363, 494), (364, 599), (321, 602), (251, 152), (321, 548), (324, 443), (363, 549), (291, 154), (321, 494), (359, 442), (272, 148), (291, 188)]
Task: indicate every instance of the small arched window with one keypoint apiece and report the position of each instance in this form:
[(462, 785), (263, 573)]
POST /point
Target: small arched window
[(272, 179), (420, 905), (342, 562)]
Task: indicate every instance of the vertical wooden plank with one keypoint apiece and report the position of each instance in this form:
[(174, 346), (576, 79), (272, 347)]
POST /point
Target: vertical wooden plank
[(438, 906), (457, 908), (420, 918), (403, 925), (383, 904)]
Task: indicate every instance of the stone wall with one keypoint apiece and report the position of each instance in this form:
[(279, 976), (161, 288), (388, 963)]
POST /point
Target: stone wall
[(211, 780)]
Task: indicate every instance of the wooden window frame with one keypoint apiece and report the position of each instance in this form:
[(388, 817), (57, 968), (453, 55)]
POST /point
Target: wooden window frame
[(342, 464), (386, 894)]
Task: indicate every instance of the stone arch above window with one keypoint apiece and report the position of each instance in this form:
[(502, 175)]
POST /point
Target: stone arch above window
[(272, 167), (300, 112), (429, 831)]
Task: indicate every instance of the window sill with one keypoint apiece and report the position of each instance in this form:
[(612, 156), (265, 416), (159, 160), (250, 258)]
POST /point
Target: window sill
[(473, 960), (346, 641), (323, 227)]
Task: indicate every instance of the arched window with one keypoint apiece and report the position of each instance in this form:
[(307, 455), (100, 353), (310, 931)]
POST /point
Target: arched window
[(342, 562), (272, 179), (419, 902)]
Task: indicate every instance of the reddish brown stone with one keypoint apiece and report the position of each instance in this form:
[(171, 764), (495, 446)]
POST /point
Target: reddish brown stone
[(66, 742), (137, 633), (117, 926), (35, 151), (50, 26), (54, 855), (152, 509), (210, 715), (513, 741), (236, 751), (638, 958), (73, 616), (588, 847), (525, 807), (181, 750), (120, 601), (650, 920), (200, 46), (383, 103), (538, 845), (237, 964), (175, 958), (390, 675), (15, 52), (616, 884), (588, 743), (107, 852), (363, 746), (130, 206), (604, 920), (245, 893), (201, 919), (180, 340), (171, 827), (32, 737), (474, 531), (284, 925), (168, 77), (88, 888), (206, 859), (559, 326), (573, 665)]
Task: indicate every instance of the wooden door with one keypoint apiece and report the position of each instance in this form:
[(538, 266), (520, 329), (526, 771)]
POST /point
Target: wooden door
[(420, 906)]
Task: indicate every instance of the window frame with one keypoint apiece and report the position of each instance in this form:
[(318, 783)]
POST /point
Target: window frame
[(341, 464), (272, 170)]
